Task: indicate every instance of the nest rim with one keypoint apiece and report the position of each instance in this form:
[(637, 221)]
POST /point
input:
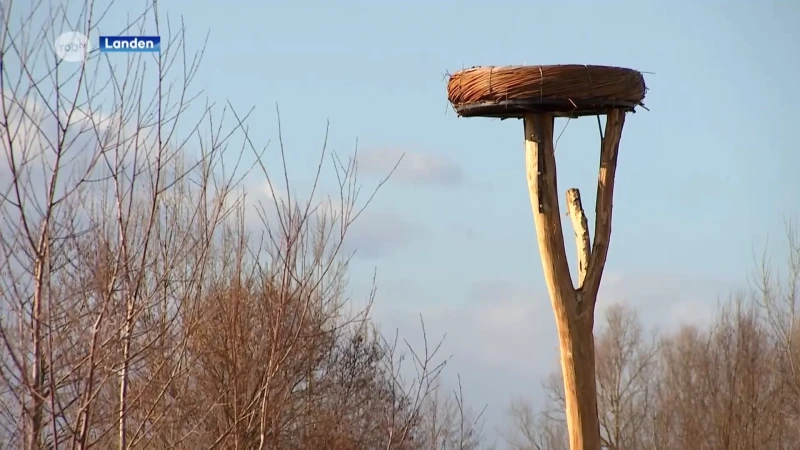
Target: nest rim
[(569, 90)]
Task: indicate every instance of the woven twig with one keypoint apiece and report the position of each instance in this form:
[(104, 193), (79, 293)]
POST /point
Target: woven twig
[(563, 82)]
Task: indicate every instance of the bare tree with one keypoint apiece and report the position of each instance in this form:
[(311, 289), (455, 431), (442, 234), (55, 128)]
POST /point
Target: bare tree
[(777, 294), (138, 306), (717, 388), (721, 389), (448, 423), (92, 234), (625, 372), (530, 430)]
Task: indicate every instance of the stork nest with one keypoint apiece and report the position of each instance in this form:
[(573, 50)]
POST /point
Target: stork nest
[(564, 90)]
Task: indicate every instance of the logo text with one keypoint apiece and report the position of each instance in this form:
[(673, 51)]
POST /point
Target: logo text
[(130, 44)]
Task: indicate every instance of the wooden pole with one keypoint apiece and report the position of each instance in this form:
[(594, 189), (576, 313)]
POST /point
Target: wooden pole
[(573, 307)]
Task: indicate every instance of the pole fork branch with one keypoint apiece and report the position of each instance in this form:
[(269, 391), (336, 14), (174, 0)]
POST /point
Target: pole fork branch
[(604, 203), (541, 170)]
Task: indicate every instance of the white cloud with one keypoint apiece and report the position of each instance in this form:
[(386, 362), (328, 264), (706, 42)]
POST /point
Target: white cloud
[(414, 168), (90, 138), (31, 150), (502, 325), (666, 300)]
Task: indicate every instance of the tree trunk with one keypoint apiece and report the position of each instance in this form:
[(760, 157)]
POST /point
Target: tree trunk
[(574, 314)]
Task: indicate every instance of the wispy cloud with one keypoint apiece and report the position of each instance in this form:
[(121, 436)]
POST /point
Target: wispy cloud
[(376, 235), (373, 235), (667, 300), (415, 167)]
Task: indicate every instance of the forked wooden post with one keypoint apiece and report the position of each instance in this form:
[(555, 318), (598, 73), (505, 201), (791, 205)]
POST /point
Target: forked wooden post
[(575, 90), (573, 306)]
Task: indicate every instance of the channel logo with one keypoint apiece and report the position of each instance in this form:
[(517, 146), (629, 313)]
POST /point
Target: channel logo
[(72, 46), (128, 44)]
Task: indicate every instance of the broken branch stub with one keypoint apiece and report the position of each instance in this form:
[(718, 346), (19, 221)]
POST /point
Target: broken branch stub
[(581, 226)]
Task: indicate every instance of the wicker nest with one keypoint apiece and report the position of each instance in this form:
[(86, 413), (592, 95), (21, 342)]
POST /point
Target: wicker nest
[(565, 90)]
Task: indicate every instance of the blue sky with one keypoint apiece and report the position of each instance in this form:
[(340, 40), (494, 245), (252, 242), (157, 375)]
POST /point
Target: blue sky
[(705, 173), (705, 181)]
